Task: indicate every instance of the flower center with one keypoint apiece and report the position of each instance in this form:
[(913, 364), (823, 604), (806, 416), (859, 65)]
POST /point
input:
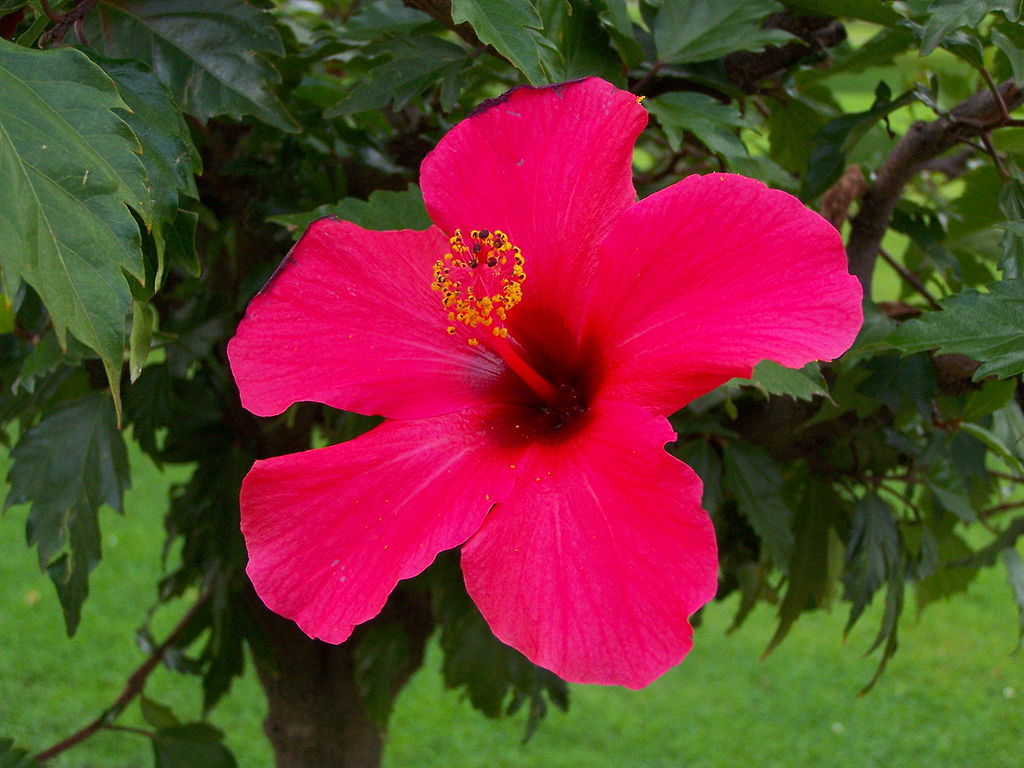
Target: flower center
[(480, 280)]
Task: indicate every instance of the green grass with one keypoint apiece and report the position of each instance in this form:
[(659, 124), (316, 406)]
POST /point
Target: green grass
[(953, 695)]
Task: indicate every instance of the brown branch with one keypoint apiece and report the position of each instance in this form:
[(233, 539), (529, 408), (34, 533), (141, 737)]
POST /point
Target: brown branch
[(55, 35), (922, 143), (132, 688), (910, 277)]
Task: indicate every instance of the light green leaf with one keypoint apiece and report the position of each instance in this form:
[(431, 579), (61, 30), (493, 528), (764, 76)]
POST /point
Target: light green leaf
[(511, 27), (157, 715), (701, 30), (209, 52), (70, 167), (984, 326), (385, 209), (713, 123), (800, 383), (67, 466)]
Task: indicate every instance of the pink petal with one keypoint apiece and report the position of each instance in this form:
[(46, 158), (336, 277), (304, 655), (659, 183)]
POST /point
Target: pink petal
[(551, 167), (350, 320), (593, 565), (701, 281), (331, 531)]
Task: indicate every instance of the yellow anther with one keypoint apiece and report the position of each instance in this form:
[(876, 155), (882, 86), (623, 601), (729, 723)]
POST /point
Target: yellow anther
[(480, 279)]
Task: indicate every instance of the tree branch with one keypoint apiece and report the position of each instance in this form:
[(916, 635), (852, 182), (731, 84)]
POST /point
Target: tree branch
[(132, 688), (921, 144)]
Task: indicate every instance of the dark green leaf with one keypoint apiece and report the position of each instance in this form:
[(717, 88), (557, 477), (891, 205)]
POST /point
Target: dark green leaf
[(1015, 578), (384, 210), (495, 677), (946, 582), (872, 553), (704, 460), (66, 230), (701, 30), (383, 661), (947, 16), (143, 318), (12, 756), (888, 630), (582, 46), (713, 123), (209, 52), (417, 64), (1011, 203), (1013, 54), (511, 26), (866, 10), (67, 466), (984, 326), (755, 481), (834, 140), (196, 745), (170, 159), (157, 715), (812, 571)]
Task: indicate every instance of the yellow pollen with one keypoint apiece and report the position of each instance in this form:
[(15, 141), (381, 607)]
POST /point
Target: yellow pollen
[(480, 280)]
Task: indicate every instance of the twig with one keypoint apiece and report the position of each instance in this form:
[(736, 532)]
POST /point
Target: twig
[(910, 277), (924, 141), (132, 688)]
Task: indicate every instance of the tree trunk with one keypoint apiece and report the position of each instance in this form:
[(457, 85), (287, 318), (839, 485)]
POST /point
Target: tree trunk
[(315, 716), (315, 713)]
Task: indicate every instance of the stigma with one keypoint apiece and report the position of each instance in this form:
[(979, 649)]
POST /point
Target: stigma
[(480, 279)]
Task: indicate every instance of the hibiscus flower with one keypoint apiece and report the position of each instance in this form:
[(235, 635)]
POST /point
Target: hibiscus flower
[(526, 351)]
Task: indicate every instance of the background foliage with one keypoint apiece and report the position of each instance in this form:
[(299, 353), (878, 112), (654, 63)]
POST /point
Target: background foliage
[(158, 157)]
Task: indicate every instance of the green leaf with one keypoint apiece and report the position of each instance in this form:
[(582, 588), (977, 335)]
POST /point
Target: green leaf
[(994, 443), (947, 16), (209, 52), (582, 47), (196, 745), (1013, 54), (67, 466), (1011, 203), (417, 64), (385, 209), (800, 383), (12, 756), (511, 27), (872, 554), (70, 166), (170, 159), (838, 137), (713, 123), (755, 481), (1015, 578), (866, 10), (143, 319), (495, 677), (701, 30), (383, 662), (812, 572), (157, 715), (946, 582), (984, 326)]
